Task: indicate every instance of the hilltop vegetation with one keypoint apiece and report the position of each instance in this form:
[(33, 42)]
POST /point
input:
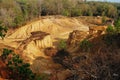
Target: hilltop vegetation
[(15, 13)]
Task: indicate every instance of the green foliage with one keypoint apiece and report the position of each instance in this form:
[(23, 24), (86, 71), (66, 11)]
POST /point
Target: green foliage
[(66, 13), (85, 45), (17, 12), (76, 12), (110, 30), (18, 20), (62, 44), (18, 68), (117, 26), (6, 52), (3, 31), (103, 19), (112, 36), (90, 13)]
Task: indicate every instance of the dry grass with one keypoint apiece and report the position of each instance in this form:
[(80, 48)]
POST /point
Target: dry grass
[(102, 62)]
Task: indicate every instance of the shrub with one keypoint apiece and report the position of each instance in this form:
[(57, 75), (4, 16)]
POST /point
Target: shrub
[(18, 20), (76, 12), (103, 19), (110, 30), (5, 54), (108, 38), (62, 44), (117, 26), (90, 13), (19, 70), (112, 36), (66, 13), (3, 31), (85, 45)]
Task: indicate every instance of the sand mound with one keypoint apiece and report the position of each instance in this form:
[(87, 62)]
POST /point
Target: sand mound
[(50, 25), (40, 34)]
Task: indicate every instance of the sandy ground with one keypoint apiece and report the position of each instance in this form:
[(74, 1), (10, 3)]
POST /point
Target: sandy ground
[(59, 28)]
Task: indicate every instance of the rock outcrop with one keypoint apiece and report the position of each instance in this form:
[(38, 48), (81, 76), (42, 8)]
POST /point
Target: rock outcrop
[(39, 39), (34, 45), (35, 36), (97, 30), (76, 36)]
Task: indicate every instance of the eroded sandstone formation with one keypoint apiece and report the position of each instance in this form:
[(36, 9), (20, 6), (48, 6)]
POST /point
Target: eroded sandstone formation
[(35, 44), (76, 36), (50, 25), (39, 39), (97, 30)]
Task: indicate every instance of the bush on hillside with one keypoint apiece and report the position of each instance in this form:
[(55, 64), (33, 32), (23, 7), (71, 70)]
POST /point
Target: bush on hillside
[(76, 12), (112, 37), (66, 13), (3, 31), (117, 26), (110, 30), (62, 44), (19, 70), (103, 19)]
